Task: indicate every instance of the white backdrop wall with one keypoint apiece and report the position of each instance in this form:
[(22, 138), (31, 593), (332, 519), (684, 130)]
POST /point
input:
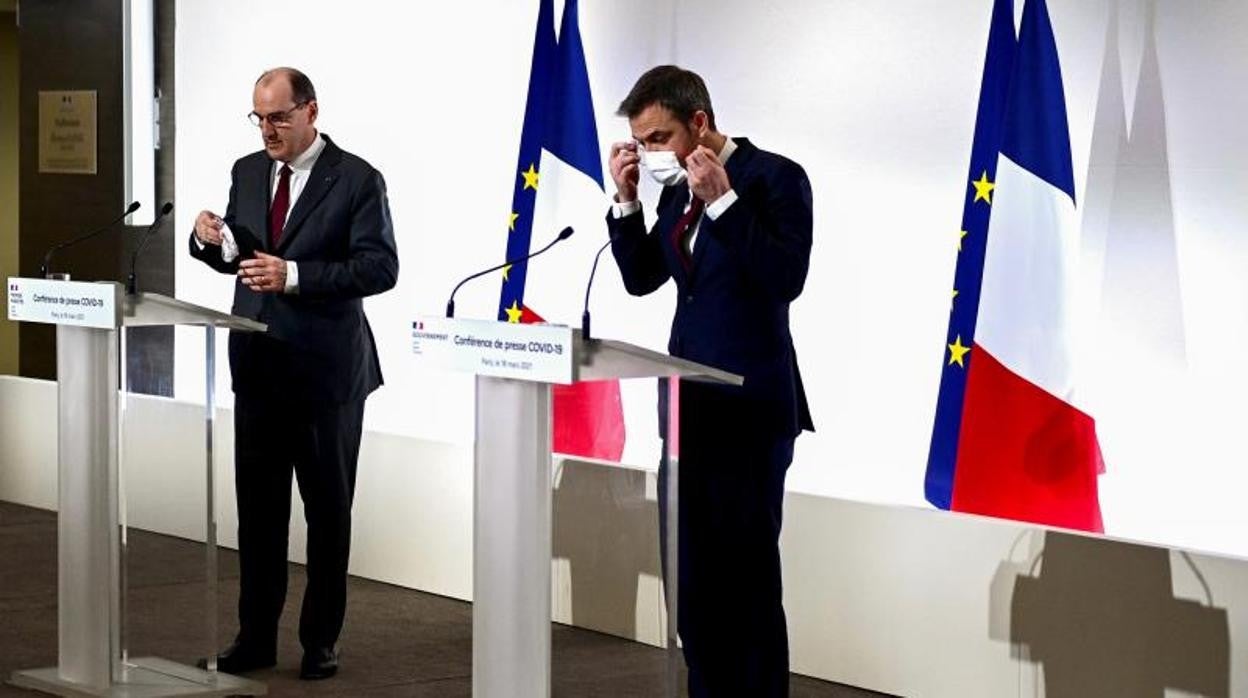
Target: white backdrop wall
[(878, 103)]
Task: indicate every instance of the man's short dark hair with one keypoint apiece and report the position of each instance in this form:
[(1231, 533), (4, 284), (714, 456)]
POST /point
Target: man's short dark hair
[(680, 91), (300, 85)]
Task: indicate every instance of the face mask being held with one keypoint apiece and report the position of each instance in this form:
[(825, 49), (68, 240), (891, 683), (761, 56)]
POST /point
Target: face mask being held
[(663, 167)]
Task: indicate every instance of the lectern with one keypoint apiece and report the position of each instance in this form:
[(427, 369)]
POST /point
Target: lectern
[(516, 367), (93, 657)]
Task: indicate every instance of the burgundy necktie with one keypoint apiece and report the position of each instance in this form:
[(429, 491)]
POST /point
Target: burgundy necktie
[(280, 207), (684, 226)]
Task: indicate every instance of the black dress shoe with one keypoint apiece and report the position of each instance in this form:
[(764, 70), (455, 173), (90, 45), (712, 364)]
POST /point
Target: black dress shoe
[(240, 658), (320, 663)]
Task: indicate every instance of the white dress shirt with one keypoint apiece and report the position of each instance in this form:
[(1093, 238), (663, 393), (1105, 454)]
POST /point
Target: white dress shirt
[(300, 171)]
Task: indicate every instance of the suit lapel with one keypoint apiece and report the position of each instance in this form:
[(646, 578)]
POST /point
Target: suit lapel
[(736, 168), (321, 179), (700, 244), (676, 211), (259, 179)]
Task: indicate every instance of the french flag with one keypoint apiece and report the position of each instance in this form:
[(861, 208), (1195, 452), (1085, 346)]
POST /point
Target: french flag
[(558, 182), (1009, 438)]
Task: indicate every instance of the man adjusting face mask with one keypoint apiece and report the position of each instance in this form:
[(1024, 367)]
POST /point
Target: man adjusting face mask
[(661, 142), (728, 256)]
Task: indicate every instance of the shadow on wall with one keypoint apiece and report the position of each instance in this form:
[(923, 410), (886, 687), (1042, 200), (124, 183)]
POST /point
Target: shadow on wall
[(1101, 620), (607, 530)]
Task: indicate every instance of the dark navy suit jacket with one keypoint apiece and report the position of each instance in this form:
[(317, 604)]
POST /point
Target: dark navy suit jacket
[(319, 346), (732, 304)]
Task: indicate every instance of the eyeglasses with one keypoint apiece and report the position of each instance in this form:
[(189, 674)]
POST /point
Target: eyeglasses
[(278, 119)]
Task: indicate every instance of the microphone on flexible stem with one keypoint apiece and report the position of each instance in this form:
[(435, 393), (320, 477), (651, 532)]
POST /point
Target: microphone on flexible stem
[(47, 258), (563, 235), (585, 335), (132, 282)]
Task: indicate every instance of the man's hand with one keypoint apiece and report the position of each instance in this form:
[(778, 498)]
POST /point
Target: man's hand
[(708, 180), (625, 169), (208, 228), (264, 274)]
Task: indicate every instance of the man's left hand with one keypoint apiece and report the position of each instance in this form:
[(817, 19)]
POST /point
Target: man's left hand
[(264, 274), (708, 180)]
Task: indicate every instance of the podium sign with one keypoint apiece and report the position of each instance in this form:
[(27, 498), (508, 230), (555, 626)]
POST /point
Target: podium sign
[(541, 353), (54, 302)]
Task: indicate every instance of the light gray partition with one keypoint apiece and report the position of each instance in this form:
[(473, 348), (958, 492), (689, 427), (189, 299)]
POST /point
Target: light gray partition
[(512, 539), (87, 532)]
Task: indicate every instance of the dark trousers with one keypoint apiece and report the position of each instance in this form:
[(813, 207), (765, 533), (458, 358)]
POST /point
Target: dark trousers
[(731, 614), (320, 445)]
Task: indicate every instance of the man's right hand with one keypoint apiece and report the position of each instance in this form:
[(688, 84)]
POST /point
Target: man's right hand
[(208, 228), (625, 169)]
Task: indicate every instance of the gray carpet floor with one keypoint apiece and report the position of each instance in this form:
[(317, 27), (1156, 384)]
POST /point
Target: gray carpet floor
[(397, 642)]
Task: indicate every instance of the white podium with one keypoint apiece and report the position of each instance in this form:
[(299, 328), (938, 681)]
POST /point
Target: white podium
[(93, 658), (515, 366)]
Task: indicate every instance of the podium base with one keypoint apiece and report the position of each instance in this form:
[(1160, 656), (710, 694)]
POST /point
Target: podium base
[(146, 677)]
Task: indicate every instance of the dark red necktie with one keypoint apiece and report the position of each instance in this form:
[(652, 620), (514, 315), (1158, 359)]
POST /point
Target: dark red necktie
[(280, 207), (684, 226)]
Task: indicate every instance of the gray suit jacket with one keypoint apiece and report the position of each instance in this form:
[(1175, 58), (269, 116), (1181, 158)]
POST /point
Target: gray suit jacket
[(319, 346)]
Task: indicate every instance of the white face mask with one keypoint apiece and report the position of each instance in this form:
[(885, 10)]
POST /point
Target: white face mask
[(663, 167)]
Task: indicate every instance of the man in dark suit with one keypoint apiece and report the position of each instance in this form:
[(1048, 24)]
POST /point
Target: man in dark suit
[(307, 233), (734, 234)]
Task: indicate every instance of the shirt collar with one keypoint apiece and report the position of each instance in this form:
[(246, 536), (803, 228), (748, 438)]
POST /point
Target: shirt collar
[(730, 147), (307, 158)]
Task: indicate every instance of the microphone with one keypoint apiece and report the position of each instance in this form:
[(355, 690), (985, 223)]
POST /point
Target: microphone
[(132, 282), (563, 235), (47, 258), (590, 284)]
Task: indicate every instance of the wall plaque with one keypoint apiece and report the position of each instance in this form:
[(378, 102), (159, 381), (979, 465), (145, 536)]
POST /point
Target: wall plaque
[(67, 132)]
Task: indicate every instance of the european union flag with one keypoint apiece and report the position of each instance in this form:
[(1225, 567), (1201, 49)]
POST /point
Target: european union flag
[(977, 208)]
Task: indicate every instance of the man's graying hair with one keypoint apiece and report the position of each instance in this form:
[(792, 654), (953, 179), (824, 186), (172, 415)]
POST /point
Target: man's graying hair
[(681, 91), (300, 86)]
